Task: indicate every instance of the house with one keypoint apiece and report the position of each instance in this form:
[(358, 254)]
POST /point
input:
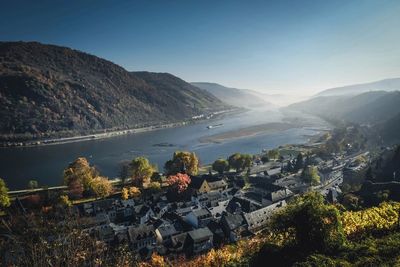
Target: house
[(198, 241), (164, 233), (234, 226), (210, 199), (268, 190), (141, 236), (218, 185), (273, 172), (241, 204), (178, 242), (258, 219), (200, 185), (199, 218), (143, 213), (207, 183), (217, 211)]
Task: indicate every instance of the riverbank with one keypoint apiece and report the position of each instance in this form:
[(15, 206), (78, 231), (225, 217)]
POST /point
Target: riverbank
[(266, 128), (114, 133)]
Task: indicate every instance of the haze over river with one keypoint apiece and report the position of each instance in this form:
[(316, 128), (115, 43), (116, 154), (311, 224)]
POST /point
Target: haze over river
[(45, 164)]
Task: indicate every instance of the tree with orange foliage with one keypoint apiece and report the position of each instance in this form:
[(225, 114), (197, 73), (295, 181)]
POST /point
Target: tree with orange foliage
[(180, 181)]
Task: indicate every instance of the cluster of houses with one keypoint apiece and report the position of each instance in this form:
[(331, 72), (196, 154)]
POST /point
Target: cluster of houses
[(218, 211)]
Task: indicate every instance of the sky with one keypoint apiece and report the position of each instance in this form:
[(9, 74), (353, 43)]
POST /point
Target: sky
[(299, 46)]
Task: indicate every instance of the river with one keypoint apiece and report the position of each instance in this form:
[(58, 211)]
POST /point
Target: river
[(45, 164)]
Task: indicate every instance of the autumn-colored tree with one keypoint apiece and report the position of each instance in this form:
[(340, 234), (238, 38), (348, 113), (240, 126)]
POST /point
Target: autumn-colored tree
[(134, 192), (101, 186), (179, 181), (182, 161), (154, 186), (64, 201), (220, 165), (141, 171), (124, 193), (80, 171), (4, 198)]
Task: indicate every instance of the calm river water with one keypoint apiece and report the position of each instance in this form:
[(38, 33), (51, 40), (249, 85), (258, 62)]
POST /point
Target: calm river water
[(46, 163)]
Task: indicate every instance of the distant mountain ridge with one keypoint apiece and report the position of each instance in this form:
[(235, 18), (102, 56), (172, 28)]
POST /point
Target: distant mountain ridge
[(379, 109), (52, 91), (382, 85), (233, 96)]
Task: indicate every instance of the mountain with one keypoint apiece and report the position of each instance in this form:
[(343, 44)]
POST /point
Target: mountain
[(379, 109), (371, 107), (281, 100), (390, 129), (52, 91), (383, 85), (233, 96)]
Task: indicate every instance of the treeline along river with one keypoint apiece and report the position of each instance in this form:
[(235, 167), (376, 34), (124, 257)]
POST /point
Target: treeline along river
[(45, 164)]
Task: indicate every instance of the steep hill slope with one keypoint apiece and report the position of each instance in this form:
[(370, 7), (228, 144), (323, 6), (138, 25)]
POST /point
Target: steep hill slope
[(383, 85), (233, 96), (49, 91), (372, 107), (380, 110)]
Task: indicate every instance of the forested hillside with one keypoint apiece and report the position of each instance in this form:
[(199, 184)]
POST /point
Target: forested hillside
[(52, 91)]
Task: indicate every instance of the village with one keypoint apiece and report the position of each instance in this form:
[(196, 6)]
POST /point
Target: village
[(218, 208)]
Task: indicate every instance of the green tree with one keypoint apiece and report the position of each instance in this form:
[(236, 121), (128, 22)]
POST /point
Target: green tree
[(124, 171), (220, 165), (101, 187), (80, 171), (273, 154), (32, 184), (4, 198), (315, 225), (239, 161), (265, 158), (141, 171), (310, 175), (182, 161)]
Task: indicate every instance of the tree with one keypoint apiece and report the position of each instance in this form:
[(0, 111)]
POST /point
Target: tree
[(32, 184), (264, 158), (220, 165), (80, 171), (141, 170), (134, 192), (154, 186), (75, 189), (273, 154), (64, 201), (179, 181), (4, 198), (101, 186), (299, 162), (124, 193), (124, 171), (239, 161), (310, 175), (182, 161), (316, 226)]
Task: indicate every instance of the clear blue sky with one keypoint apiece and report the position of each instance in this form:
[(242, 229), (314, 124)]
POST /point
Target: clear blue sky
[(265, 45)]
